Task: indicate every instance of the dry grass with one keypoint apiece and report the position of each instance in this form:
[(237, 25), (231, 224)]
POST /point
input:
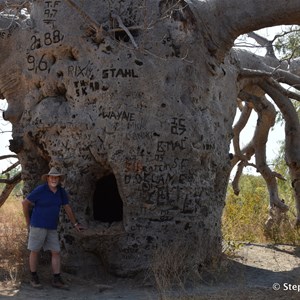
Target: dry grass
[(244, 216), (169, 266), (13, 239), (173, 273)]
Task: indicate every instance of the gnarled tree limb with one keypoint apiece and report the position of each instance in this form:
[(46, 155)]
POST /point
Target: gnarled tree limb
[(10, 183), (292, 140)]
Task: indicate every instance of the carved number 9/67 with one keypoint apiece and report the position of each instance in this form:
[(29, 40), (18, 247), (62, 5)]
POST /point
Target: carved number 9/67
[(37, 65)]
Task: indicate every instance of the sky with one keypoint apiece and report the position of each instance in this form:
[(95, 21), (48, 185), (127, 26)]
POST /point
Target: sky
[(5, 136), (276, 134)]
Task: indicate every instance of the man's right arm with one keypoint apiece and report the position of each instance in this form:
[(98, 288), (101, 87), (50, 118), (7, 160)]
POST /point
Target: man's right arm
[(27, 205)]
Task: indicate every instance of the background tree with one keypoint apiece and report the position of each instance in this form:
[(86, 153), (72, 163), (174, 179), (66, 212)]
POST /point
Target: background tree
[(146, 95), (287, 43)]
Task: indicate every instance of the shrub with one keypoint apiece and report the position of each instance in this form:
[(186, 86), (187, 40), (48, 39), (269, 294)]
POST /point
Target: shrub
[(245, 214)]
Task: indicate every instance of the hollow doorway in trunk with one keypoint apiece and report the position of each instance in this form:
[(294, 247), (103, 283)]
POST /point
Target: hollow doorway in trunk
[(107, 203)]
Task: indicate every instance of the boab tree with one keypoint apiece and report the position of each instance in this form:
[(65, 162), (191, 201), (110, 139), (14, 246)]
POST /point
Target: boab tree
[(135, 101)]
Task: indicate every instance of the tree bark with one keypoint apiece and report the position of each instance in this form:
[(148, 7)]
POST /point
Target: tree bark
[(146, 94)]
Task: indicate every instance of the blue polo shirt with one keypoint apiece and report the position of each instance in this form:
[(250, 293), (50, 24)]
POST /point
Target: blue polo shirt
[(46, 206)]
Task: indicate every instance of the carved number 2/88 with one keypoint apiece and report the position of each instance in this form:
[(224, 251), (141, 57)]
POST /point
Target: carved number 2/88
[(49, 38), (55, 37)]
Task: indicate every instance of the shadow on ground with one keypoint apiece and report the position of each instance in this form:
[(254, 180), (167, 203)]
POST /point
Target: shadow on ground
[(254, 272)]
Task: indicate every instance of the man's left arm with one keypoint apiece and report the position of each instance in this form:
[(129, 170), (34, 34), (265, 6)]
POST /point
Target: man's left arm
[(72, 218)]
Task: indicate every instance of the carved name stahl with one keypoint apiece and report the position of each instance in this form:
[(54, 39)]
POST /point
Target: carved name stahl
[(127, 115)]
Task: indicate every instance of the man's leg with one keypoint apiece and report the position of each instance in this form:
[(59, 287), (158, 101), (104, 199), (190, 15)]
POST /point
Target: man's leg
[(33, 261), (57, 281), (35, 242), (52, 244), (55, 262)]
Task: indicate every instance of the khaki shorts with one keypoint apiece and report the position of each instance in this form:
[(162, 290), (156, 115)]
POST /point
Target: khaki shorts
[(41, 237)]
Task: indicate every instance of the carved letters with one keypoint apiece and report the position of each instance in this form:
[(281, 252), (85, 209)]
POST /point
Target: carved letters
[(50, 11)]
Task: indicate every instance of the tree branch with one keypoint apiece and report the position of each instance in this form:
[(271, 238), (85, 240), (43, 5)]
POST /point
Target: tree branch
[(8, 156), (260, 14), (237, 177), (266, 119), (250, 73), (10, 183), (237, 128), (13, 166), (125, 29), (264, 43), (287, 77), (292, 132)]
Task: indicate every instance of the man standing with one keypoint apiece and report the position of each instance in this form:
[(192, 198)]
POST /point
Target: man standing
[(45, 202)]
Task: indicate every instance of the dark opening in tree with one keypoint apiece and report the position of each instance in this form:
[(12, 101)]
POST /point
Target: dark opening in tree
[(107, 203)]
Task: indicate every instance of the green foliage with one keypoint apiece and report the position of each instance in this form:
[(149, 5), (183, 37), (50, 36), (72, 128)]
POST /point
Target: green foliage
[(288, 43), (245, 215), (17, 191)]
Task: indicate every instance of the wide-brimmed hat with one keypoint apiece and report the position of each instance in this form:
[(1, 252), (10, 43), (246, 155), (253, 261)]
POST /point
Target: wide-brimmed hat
[(53, 172)]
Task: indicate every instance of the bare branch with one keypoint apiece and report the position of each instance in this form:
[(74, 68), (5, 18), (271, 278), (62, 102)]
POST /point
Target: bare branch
[(248, 73), (13, 166), (8, 156), (236, 180), (246, 152), (265, 71), (287, 77), (279, 176), (10, 183), (125, 29), (264, 43), (238, 127), (292, 132), (278, 74), (266, 118)]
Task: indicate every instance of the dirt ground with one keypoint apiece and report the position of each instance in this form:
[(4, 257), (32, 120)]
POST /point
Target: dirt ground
[(254, 272)]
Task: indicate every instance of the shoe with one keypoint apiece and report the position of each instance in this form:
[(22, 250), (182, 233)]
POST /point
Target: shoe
[(35, 282), (58, 283)]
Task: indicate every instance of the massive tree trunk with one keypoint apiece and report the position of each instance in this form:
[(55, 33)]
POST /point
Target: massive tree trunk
[(134, 101)]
